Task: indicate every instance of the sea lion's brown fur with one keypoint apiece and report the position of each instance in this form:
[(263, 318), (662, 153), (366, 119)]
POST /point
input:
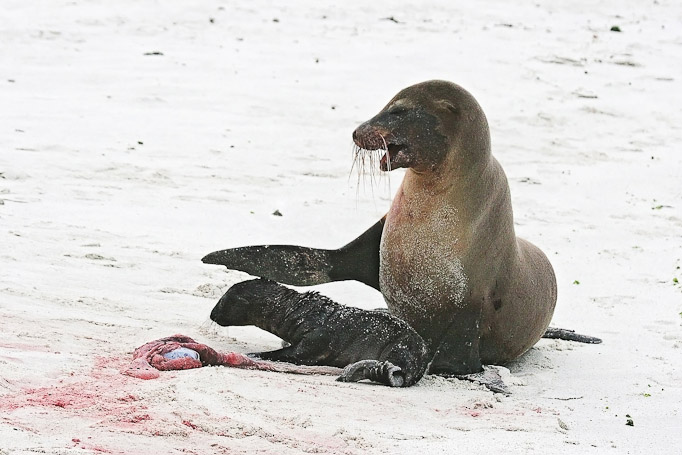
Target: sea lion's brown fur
[(450, 261)]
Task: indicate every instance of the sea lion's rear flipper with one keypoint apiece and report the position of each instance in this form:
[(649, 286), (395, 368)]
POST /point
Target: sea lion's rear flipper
[(490, 378), (374, 370), (569, 335), (302, 266)]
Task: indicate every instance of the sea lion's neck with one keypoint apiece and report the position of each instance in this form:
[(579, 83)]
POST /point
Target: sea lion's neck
[(463, 189)]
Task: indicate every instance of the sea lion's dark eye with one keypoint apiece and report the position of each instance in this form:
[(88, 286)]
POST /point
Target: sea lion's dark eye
[(397, 110)]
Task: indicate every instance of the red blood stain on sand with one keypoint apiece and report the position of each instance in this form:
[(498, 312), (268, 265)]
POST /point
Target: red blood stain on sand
[(104, 392), (189, 424), (103, 395)]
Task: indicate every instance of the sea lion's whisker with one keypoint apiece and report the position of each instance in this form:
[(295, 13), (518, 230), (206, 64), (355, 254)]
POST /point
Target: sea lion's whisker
[(388, 165), (359, 157), (388, 157), (354, 155), (363, 157)]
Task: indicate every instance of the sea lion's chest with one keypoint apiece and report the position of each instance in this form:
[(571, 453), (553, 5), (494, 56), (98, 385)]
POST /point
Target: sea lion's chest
[(420, 271)]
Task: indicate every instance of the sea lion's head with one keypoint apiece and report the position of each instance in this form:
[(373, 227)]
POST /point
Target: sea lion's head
[(425, 126), (242, 301)]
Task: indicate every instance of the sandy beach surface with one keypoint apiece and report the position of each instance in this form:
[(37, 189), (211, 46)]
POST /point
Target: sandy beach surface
[(137, 136)]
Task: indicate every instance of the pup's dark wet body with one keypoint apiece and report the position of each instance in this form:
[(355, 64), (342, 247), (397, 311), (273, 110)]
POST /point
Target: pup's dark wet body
[(369, 344)]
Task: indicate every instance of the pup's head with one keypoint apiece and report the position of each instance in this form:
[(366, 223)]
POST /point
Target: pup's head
[(240, 302)]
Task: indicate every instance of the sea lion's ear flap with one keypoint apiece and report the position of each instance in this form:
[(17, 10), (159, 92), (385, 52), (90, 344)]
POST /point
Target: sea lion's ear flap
[(447, 105)]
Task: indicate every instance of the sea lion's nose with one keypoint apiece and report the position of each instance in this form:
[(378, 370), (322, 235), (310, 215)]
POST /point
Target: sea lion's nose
[(360, 134), (369, 136)]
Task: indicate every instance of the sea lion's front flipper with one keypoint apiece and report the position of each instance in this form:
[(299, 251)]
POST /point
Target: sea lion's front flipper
[(290, 264), (374, 370), (304, 352), (458, 352), (302, 266), (289, 354)]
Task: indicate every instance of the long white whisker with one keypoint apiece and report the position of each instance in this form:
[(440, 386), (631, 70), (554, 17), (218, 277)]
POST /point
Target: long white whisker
[(388, 165), (362, 158)]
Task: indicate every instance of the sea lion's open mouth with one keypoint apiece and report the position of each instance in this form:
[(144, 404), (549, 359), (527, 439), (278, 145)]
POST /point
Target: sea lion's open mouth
[(369, 138), (391, 159)]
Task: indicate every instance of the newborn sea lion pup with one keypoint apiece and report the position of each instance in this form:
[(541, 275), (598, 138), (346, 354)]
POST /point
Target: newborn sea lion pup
[(370, 345)]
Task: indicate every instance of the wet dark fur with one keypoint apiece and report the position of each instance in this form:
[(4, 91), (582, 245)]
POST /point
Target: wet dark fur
[(320, 331)]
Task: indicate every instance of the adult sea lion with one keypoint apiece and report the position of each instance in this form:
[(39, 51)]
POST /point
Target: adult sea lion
[(445, 257), (369, 344)]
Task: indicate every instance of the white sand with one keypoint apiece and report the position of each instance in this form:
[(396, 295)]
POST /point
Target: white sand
[(120, 170)]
